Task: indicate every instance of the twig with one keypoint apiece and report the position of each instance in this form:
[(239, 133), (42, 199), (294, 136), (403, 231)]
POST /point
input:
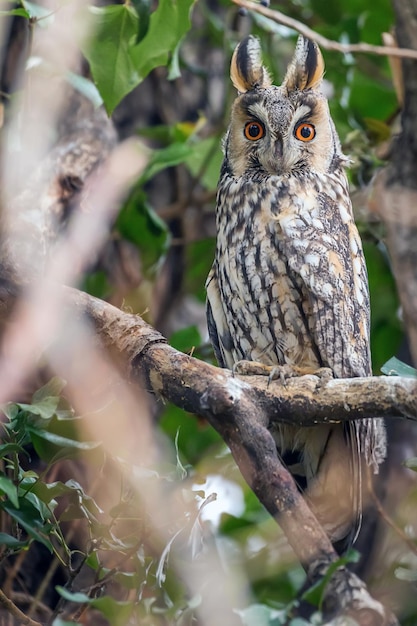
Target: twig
[(327, 44), (390, 522), (16, 612)]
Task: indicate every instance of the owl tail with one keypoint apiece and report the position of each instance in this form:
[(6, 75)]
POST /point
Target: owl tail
[(335, 492)]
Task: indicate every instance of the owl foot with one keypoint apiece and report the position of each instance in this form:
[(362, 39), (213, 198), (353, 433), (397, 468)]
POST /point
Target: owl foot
[(274, 372), (324, 374)]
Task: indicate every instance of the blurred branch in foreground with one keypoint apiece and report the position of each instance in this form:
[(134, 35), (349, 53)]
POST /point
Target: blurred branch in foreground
[(240, 412)]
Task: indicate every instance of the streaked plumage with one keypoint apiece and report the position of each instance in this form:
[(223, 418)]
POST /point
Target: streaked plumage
[(289, 282)]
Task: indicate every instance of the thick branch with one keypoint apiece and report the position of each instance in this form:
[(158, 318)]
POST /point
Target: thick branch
[(211, 392), (241, 412)]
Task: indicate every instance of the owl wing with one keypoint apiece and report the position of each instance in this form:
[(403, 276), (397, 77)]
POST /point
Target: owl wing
[(216, 321), (327, 265)]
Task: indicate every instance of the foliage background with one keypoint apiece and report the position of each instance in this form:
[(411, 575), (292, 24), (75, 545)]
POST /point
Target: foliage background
[(71, 508)]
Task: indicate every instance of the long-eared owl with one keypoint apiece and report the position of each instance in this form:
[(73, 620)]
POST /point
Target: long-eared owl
[(289, 283)]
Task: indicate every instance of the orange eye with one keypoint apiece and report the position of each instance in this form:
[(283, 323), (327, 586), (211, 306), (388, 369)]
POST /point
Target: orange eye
[(254, 131), (305, 132)]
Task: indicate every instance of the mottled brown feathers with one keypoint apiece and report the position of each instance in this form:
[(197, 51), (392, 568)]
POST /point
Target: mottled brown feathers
[(289, 283)]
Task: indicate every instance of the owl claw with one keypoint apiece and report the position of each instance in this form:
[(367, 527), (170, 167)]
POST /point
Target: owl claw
[(324, 374), (273, 372)]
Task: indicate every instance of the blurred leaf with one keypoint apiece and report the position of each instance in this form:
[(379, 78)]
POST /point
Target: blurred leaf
[(85, 87), (12, 542), (185, 339), (118, 62), (408, 575), (44, 408), (19, 12), (143, 9), (196, 436), (174, 154), (371, 98), (395, 367), (262, 615), (36, 11), (73, 596), (411, 463), (9, 489), (206, 158), (28, 517), (139, 223), (52, 448), (163, 561), (379, 129), (116, 612), (174, 66), (109, 52), (54, 387), (10, 448), (180, 469)]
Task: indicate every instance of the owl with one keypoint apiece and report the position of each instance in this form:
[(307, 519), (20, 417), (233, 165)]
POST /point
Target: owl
[(288, 286)]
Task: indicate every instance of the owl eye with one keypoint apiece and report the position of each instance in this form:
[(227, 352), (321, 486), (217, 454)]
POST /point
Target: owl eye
[(305, 132), (254, 131)]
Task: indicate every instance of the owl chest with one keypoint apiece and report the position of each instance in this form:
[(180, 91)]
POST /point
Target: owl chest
[(265, 306)]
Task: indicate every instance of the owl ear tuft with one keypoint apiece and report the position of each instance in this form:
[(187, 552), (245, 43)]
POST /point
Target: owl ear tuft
[(246, 70), (306, 68)]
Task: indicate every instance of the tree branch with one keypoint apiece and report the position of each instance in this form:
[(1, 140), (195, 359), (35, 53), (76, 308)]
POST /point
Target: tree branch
[(241, 412), (327, 44)]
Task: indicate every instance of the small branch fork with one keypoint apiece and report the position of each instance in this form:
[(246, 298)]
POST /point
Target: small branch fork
[(241, 410), (323, 42)]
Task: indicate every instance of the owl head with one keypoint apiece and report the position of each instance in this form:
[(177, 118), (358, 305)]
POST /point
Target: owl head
[(285, 130)]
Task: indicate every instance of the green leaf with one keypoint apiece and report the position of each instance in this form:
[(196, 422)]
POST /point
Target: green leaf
[(78, 596), (44, 408), (11, 410), (143, 8), (395, 367), (28, 517), (11, 542), (85, 87), (53, 387), (51, 447), (139, 223), (168, 24), (173, 154), (185, 339), (206, 159), (110, 52), (262, 615), (406, 574), (19, 12), (10, 448), (9, 489), (116, 612), (411, 463), (118, 62), (35, 11)]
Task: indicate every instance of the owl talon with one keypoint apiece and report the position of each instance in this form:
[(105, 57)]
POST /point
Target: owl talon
[(325, 375), (251, 368)]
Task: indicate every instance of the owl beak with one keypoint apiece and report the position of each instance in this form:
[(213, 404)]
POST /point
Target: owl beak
[(278, 151)]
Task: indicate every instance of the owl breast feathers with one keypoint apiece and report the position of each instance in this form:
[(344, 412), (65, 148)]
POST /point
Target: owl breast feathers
[(289, 284)]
